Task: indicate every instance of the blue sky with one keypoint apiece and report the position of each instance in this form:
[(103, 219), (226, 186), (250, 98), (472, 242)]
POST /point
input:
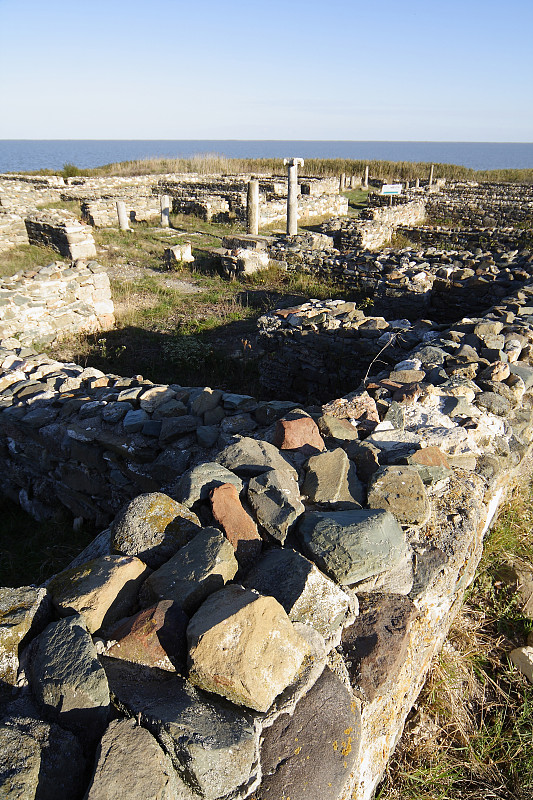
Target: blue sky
[(334, 69)]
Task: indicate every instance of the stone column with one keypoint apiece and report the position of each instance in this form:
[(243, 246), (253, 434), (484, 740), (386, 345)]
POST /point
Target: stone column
[(165, 211), (406, 185), (292, 194), (342, 182), (417, 183), (431, 175), (252, 208), (365, 183), (122, 216)]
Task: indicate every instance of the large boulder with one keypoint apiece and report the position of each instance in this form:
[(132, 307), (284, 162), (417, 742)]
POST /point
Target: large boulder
[(243, 646), (153, 527)]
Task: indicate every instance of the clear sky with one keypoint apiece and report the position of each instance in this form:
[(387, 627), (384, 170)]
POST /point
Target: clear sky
[(459, 70)]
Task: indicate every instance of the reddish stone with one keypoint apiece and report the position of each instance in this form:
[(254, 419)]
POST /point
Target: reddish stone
[(236, 523), (156, 637), (429, 457), (297, 432), (286, 312)]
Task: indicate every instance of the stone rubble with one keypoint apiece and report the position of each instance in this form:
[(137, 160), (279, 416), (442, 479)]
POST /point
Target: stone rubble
[(169, 666)]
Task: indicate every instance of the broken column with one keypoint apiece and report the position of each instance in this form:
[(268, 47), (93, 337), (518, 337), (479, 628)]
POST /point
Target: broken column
[(165, 211), (292, 194), (431, 175), (365, 183), (122, 216), (252, 208), (342, 182)]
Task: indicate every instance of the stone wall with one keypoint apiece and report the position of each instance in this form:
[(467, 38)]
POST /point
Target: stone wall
[(12, 231), (102, 213), (61, 231), (354, 530), (57, 300)]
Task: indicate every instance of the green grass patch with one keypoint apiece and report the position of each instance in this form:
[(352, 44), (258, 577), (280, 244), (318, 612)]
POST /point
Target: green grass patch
[(24, 257)]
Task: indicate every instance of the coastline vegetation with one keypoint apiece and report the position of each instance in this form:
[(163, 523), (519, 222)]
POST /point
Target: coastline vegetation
[(208, 163)]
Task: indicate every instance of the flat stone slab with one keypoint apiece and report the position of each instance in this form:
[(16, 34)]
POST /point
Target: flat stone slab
[(351, 546), (401, 491), (67, 679), (213, 745), (155, 637), (310, 755), (243, 646), (197, 483), (129, 759), (23, 612), (197, 570), (275, 499), (374, 647), (305, 593), (249, 457), (102, 591), (153, 527)]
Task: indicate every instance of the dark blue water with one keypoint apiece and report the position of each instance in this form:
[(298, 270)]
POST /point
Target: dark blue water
[(32, 154)]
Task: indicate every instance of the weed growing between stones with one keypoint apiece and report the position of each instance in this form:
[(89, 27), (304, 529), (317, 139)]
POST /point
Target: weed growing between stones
[(471, 732)]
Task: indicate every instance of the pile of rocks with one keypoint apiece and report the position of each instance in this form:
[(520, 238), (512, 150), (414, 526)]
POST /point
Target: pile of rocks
[(53, 301), (61, 231), (247, 632)]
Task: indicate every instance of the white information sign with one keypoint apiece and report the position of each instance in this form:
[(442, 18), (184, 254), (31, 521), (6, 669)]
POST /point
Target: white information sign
[(391, 188)]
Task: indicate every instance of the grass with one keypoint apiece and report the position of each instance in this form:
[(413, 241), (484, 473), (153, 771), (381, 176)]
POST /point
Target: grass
[(210, 163), (471, 734), (24, 257)]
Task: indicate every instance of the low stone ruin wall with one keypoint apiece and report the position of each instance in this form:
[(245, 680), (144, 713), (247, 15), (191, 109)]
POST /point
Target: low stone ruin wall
[(103, 213), (443, 236), (61, 231), (483, 205), (12, 231), (263, 627), (409, 213), (58, 300), (309, 206)]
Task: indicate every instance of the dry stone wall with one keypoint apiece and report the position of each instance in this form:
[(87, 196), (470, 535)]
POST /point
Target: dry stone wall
[(103, 213), (58, 300), (61, 231), (290, 585), (12, 231)]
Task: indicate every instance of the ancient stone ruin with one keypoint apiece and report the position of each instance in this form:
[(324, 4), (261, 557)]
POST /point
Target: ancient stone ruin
[(273, 577)]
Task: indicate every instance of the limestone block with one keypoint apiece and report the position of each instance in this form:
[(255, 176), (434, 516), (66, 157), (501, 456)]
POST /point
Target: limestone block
[(331, 477), (351, 546), (243, 646), (153, 527), (198, 569), (130, 759), (212, 744), (23, 612), (275, 498), (305, 593)]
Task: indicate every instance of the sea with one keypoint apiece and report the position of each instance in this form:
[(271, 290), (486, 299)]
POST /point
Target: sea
[(25, 155)]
